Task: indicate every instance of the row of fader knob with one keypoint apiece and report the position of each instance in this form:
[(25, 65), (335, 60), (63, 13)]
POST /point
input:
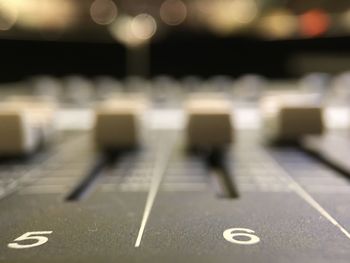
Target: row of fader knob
[(26, 124), (286, 118)]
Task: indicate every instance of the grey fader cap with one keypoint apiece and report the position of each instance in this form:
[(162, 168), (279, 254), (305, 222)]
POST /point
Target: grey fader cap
[(289, 117), (24, 125), (117, 124), (209, 122)]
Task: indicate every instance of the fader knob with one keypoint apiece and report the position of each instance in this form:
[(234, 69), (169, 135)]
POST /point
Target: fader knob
[(317, 83), (78, 90), (249, 88), (286, 118), (47, 86), (17, 136), (209, 122), (106, 87), (117, 124), (24, 126), (340, 92)]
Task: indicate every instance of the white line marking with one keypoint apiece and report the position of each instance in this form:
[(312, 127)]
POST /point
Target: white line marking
[(162, 159), (309, 199)]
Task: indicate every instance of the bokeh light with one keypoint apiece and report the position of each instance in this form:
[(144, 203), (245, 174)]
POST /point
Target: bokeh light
[(143, 26), (134, 31), (225, 16), (120, 29), (314, 23), (173, 12), (40, 14), (345, 20), (103, 12), (279, 23), (8, 14)]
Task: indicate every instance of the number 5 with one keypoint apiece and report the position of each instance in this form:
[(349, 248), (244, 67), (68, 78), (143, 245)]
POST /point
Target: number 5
[(36, 235)]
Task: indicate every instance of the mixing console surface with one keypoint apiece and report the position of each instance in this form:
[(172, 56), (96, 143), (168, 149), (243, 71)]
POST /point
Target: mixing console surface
[(159, 202), (290, 208)]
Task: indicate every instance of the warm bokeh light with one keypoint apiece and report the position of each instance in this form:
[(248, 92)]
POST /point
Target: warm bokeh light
[(224, 16), (103, 12), (345, 20), (143, 26), (173, 12), (245, 10), (37, 14), (134, 31), (314, 23), (120, 29), (279, 24), (8, 14)]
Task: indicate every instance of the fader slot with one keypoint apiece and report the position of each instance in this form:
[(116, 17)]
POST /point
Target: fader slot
[(209, 135), (322, 148), (324, 184), (265, 219), (28, 172), (116, 132), (296, 120), (221, 174), (88, 181)]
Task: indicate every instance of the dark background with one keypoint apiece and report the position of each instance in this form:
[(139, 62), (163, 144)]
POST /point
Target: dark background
[(177, 56)]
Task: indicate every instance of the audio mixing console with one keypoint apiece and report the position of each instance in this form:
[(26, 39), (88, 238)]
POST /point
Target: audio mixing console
[(220, 178)]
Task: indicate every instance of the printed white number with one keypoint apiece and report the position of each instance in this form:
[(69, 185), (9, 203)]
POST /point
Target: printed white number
[(247, 236), (36, 235)]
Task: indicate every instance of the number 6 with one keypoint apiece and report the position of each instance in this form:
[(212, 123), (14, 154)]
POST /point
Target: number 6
[(231, 235), (40, 240)]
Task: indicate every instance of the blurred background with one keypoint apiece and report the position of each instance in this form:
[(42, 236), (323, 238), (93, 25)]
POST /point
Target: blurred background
[(272, 38)]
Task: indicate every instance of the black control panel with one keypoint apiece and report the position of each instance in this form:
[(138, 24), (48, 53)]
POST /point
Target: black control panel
[(258, 202)]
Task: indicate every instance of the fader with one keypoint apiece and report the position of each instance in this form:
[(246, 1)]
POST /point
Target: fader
[(209, 122), (25, 124), (118, 123), (287, 117)]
